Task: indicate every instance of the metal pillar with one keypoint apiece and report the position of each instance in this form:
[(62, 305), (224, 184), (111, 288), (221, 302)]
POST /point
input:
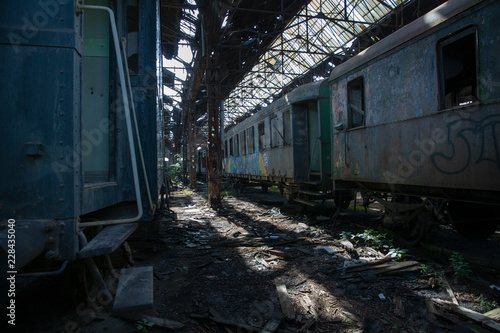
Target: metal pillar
[(212, 79), (185, 148), (192, 151), (214, 143)]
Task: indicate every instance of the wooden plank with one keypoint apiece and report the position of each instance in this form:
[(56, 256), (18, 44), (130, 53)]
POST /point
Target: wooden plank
[(108, 240), (164, 323), (493, 314), (481, 319), (135, 290), (394, 267), (285, 302), (308, 305)]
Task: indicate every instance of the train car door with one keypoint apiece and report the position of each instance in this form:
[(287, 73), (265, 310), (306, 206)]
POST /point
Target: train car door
[(313, 131), (95, 95)]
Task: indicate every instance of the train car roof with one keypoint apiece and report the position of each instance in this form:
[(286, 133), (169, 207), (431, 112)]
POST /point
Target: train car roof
[(306, 92), (430, 20)]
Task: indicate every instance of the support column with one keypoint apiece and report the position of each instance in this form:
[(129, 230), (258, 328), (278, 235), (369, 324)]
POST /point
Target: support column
[(192, 151), (185, 148), (213, 110)]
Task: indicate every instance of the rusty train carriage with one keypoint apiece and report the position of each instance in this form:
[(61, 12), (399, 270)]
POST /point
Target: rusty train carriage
[(417, 114), (287, 143)]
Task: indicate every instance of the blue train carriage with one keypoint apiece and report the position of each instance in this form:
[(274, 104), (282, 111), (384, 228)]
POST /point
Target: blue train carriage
[(67, 125), (286, 143), (416, 116)]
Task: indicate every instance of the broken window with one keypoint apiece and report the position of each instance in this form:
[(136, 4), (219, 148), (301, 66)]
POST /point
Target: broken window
[(243, 143), (458, 69), (355, 101), (262, 136), (275, 133), (225, 149), (236, 145), (250, 140), (231, 151), (287, 128)]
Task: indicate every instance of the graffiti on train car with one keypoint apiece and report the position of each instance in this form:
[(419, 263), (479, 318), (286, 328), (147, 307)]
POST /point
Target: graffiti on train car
[(251, 164), (478, 142)]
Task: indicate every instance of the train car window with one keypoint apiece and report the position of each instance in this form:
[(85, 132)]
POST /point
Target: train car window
[(236, 145), (133, 35), (225, 148), (355, 100), (262, 135), (458, 69), (275, 133), (231, 152), (243, 143), (287, 128), (250, 140)]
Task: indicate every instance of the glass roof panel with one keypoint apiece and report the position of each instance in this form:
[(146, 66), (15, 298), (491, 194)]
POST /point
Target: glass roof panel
[(324, 27)]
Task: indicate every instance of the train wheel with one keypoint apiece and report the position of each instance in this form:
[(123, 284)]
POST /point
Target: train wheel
[(415, 230), (343, 199), (466, 218)]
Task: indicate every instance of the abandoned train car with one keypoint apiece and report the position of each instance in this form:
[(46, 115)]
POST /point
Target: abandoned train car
[(286, 143), (71, 148), (416, 116)]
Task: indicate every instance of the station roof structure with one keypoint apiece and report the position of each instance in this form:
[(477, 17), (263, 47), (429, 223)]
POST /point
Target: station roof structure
[(267, 48)]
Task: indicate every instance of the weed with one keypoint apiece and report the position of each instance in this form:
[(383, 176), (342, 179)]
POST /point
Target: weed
[(485, 304), (143, 326), (175, 170), (397, 253), (460, 267)]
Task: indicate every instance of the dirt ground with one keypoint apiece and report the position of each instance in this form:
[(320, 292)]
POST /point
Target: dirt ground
[(258, 265)]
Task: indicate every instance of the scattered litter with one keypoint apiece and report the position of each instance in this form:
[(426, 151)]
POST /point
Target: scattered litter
[(497, 288), (348, 263), (328, 249), (381, 296), (275, 211)]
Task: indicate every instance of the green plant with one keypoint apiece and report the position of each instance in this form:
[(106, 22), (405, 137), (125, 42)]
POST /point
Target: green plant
[(175, 170), (228, 193), (144, 326), (397, 253), (460, 267), (485, 304)]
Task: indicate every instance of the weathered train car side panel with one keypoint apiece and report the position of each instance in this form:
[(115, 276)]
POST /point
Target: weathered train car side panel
[(407, 137), (40, 48)]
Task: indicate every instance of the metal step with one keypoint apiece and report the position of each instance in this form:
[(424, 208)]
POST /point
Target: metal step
[(311, 182), (135, 290), (318, 195), (108, 240), (306, 202)]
